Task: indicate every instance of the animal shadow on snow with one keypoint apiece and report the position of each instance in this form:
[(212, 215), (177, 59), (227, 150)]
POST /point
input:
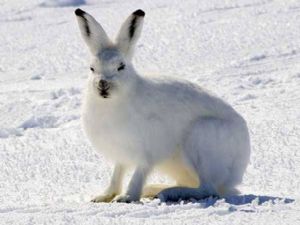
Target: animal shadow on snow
[(240, 200)]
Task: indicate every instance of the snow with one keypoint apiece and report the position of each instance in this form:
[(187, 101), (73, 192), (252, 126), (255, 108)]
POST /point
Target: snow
[(62, 3), (246, 51)]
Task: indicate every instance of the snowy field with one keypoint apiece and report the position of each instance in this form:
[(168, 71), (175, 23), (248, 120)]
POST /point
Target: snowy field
[(246, 51)]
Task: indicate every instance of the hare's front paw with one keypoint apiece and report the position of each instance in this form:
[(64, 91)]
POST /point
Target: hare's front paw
[(125, 199), (103, 198)]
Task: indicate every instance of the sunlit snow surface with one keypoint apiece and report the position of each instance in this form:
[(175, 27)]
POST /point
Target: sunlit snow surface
[(246, 51)]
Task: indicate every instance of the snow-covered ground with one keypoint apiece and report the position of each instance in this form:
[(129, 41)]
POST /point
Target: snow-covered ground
[(246, 51)]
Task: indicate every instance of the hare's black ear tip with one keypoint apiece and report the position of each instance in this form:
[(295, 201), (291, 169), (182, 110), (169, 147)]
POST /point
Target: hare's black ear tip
[(79, 12), (139, 12)]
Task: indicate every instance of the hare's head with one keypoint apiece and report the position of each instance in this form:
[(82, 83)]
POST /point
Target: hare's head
[(111, 67)]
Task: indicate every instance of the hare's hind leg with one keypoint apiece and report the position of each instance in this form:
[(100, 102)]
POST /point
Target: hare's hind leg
[(219, 151)]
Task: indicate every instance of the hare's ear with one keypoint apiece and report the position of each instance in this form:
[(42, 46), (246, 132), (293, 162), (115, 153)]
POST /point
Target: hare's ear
[(130, 32), (92, 32)]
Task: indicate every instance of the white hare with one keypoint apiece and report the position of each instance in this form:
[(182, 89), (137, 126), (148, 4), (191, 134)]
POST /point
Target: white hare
[(173, 126)]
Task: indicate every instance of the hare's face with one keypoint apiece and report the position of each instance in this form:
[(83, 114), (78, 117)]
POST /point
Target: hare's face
[(111, 67), (108, 69)]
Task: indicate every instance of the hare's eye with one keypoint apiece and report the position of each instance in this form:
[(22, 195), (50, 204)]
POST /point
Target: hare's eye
[(121, 67), (92, 69)]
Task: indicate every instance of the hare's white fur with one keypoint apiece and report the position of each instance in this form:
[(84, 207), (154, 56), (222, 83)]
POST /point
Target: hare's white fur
[(171, 125)]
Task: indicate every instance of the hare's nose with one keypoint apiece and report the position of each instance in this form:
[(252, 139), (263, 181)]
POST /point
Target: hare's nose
[(103, 83)]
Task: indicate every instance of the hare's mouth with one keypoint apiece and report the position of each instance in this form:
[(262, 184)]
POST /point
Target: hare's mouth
[(103, 88)]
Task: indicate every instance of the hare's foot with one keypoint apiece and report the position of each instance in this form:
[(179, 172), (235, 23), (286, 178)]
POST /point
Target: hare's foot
[(151, 190), (135, 186), (125, 199), (104, 198), (115, 186)]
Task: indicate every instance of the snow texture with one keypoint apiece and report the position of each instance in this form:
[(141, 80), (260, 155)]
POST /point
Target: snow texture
[(245, 51), (62, 3)]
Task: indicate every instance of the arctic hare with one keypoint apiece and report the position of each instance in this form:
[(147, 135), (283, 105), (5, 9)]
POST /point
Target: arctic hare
[(173, 126)]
